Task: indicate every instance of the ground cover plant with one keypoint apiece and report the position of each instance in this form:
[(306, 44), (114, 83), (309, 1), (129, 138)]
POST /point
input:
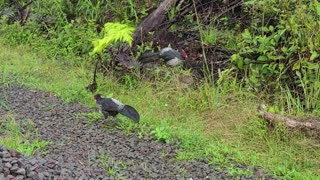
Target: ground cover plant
[(23, 138)]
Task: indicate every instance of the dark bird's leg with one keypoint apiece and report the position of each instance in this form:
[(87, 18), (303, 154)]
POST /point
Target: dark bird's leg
[(105, 114), (113, 114), (112, 121)]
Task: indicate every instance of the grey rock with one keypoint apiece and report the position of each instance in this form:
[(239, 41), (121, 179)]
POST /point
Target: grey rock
[(6, 155), (10, 177), (14, 161), (14, 169), (32, 174), (2, 176), (33, 161), (6, 172), (19, 177), (7, 165), (21, 171), (7, 159)]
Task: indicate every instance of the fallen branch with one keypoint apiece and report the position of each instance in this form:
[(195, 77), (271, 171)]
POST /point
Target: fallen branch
[(289, 122), (93, 86), (24, 13), (232, 7)]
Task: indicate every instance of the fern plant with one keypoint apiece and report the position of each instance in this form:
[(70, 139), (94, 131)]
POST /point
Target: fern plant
[(113, 33)]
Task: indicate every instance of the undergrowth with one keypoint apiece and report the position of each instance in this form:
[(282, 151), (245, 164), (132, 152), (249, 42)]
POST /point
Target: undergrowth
[(280, 51), (216, 122)]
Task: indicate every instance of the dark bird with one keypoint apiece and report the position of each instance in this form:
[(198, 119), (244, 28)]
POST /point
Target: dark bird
[(171, 56), (112, 107)]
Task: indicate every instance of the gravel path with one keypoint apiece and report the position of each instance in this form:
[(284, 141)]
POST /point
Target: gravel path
[(77, 147)]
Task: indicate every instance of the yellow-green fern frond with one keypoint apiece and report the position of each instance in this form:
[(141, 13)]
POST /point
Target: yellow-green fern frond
[(113, 33)]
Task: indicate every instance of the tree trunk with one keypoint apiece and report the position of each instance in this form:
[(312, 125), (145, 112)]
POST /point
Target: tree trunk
[(153, 21)]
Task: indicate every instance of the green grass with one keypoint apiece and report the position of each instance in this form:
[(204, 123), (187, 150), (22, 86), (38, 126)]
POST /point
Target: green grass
[(111, 166), (90, 117), (212, 36), (12, 136), (216, 122)]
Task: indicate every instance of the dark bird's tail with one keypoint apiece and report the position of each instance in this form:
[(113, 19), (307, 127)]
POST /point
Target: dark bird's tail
[(148, 57), (131, 113)]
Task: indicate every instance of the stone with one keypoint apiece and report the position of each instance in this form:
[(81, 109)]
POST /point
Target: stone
[(6, 155), (6, 172), (7, 165), (33, 161), (21, 171), (14, 169), (14, 161), (2, 176), (7, 159), (19, 177), (32, 168), (31, 174), (10, 177)]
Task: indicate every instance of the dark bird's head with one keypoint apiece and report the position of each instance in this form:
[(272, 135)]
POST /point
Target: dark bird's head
[(97, 96)]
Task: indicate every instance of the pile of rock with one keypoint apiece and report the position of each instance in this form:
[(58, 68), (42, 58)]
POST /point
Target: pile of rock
[(16, 166)]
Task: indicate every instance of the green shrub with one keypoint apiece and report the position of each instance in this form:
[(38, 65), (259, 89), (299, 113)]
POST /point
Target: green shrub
[(281, 49)]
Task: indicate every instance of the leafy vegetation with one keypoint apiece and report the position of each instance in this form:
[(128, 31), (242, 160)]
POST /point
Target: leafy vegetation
[(276, 62), (281, 49)]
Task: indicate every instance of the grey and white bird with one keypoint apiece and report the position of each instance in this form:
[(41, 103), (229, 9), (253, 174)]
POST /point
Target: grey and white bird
[(112, 107), (172, 57)]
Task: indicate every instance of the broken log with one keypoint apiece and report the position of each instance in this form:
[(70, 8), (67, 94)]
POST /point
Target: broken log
[(290, 122)]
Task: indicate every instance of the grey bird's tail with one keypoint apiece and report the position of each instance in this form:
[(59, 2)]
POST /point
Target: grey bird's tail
[(130, 112)]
